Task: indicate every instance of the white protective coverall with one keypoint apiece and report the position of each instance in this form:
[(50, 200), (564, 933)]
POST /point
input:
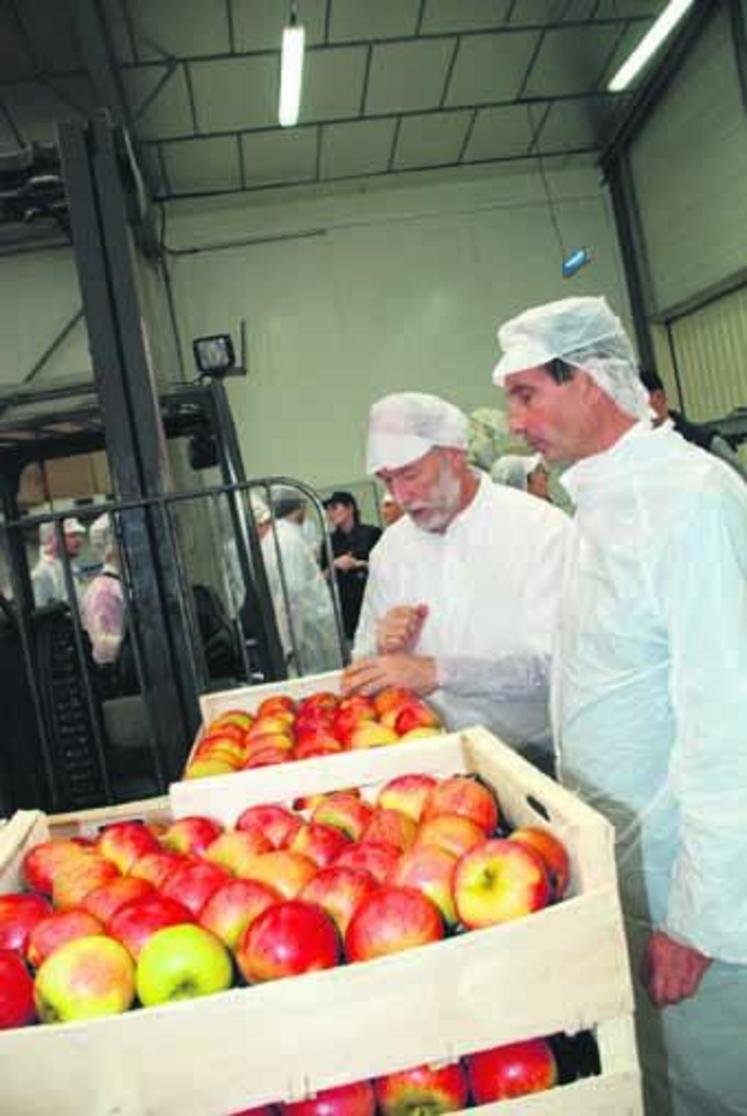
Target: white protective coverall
[(491, 583), (650, 713), (302, 600)]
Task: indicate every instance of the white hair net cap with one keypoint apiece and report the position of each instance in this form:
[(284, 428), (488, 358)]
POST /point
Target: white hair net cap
[(101, 535), (405, 426), (73, 526), (583, 332), (70, 526), (260, 510), (514, 469)]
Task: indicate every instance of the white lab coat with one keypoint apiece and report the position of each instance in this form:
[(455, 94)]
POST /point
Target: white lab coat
[(491, 582), (650, 712), (302, 600)]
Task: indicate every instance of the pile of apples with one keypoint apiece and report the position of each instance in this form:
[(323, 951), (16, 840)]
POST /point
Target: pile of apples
[(149, 914), (319, 725), (500, 1073)]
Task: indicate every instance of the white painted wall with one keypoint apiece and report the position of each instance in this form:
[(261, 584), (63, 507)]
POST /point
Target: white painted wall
[(376, 291)]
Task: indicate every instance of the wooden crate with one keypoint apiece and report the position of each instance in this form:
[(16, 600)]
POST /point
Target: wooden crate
[(561, 969)]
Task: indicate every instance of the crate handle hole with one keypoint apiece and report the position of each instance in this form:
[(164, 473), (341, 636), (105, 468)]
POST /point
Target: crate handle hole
[(538, 807)]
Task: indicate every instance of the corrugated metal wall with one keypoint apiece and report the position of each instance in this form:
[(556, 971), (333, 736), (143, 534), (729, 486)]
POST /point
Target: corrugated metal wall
[(710, 347)]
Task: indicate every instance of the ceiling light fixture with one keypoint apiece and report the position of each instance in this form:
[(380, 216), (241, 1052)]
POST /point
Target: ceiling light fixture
[(649, 44), (291, 71)]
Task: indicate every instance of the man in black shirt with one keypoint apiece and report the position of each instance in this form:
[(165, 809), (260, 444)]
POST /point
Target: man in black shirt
[(352, 542)]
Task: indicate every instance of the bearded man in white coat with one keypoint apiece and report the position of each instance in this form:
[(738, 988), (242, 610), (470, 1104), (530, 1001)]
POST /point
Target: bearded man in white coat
[(649, 692), (462, 590)]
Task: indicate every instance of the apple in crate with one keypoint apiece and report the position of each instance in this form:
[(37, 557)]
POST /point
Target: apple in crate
[(370, 856), (267, 757), (415, 715), (349, 715), (391, 920), (430, 870), (207, 768), (20, 911), (391, 697), (283, 869), (226, 746), (339, 891), (83, 979), (16, 991), (135, 923), (422, 1091), (372, 734), (321, 843), (406, 793), (237, 849), (280, 703), (56, 929), (191, 835), (234, 906), (345, 1100), (180, 963), (106, 900), (194, 883), (320, 700), (42, 862), (392, 827), (553, 853), (316, 744), (345, 811), (450, 832), (290, 938), (277, 823), (499, 881), (156, 867), (239, 717), (464, 795), (79, 877), (511, 1071)]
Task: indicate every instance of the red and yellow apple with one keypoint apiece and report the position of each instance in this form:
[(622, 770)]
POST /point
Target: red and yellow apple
[(406, 793), (390, 920), (277, 823), (106, 900), (194, 883), (370, 856), (499, 881), (133, 924), (345, 1100), (392, 827), (56, 929), (287, 939), (345, 811), (83, 979), (75, 879), (41, 863), (451, 832), (321, 843), (234, 906), (465, 795), (20, 912), (553, 853), (156, 867), (431, 870), (423, 1091), (237, 849), (191, 835), (339, 891), (372, 734), (283, 869), (510, 1071)]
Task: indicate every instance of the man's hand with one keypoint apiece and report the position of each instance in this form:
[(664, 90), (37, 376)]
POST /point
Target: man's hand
[(346, 562), (671, 971), (368, 676), (400, 628)]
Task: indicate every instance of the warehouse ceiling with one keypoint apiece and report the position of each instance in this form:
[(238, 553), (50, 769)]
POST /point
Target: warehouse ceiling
[(389, 85)]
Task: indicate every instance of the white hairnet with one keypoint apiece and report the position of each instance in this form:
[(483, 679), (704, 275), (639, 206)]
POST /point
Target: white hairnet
[(73, 526), (101, 536), (515, 469), (405, 426), (260, 510), (48, 533), (583, 332)]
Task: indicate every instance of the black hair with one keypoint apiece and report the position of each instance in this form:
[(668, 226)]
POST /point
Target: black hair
[(560, 370), (650, 379)]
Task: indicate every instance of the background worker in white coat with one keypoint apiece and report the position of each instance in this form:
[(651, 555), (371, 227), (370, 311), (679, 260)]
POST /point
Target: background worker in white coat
[(529, 474), (48, 575), (650, 685), (461, 596)]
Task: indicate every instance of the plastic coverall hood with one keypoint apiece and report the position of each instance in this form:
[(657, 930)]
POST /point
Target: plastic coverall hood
[(650, 717)]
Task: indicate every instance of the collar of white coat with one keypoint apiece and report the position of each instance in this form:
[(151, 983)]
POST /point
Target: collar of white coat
[(587, 473)]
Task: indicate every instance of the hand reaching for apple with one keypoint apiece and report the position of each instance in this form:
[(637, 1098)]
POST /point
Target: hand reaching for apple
[(400, 628), (671, 971), (368, 676)]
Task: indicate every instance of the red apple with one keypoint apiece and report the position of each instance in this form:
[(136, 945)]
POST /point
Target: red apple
[(553, 853), (191, 835), (465, 795), (511, 1071), (391, 697), (321, 843), (415, 715), (313, 720), (278, 725), (283, 869), (450, 832), (369, 856), (287, 939), (311, 801), (350, 713), (20, 911), (133, 924), (280, 703), (430, 870), (225, 728), (498, 881), (267, 757), (41, 863), (346, 812), (16, 992), (423, 1091), (123, 842), (391, 920), (322, 699), (406, 793), (339, 891), (156, 867), (392, 827), (234, 906), (237, 849), (345, 1100), (76, 878), (318, 744), (277, 823), (372, 734), (104, 901), (56, 929), (194, 883), (83, 979), (228, 745), (263, 740)]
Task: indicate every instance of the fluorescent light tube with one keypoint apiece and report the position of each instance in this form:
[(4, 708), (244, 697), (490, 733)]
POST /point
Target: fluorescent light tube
[(650, 42), (291, 72)]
